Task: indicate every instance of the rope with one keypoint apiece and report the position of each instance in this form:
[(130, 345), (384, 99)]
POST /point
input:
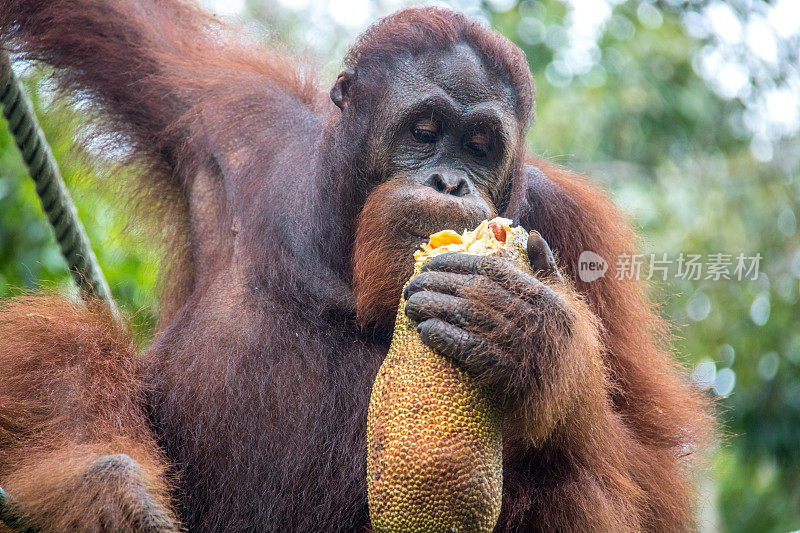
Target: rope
[(56, 201), (12, 520), (59, 209)]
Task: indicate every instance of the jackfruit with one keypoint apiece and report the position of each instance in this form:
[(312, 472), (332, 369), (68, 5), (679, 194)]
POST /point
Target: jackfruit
[(434, 460)]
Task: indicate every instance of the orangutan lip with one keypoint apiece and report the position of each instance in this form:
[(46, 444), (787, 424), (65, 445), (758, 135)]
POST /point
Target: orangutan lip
[(421, 234), (417, 234)]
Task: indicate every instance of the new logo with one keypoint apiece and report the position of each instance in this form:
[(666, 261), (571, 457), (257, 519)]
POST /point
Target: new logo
[(591, 266)]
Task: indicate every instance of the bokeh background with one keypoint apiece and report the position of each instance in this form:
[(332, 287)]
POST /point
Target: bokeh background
[(687, 111)]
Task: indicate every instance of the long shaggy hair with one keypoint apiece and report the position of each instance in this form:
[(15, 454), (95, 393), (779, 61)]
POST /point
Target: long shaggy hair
[(259, 377)]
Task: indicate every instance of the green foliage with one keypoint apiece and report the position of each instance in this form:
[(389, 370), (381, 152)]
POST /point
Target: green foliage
[(29, 256)]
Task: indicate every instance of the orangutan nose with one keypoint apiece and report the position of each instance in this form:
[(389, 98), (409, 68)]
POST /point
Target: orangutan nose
[(455, 184)]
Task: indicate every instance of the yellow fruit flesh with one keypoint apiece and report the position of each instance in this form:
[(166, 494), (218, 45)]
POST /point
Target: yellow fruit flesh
[(434, 435)]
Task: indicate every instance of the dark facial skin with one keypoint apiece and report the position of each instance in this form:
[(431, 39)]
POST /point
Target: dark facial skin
[(451, 140), (445, 126), (456, 123), (447, 148)]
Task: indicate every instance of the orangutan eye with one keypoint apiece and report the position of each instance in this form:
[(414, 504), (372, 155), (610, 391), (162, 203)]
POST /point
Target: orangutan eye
[(426, 131), (478, 144)]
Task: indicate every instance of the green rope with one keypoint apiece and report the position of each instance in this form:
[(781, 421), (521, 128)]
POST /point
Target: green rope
[(11, 519), (61, 213), (56, 201)]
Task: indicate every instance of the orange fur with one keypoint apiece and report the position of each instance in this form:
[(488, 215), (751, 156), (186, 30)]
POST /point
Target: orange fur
[(658, 425), (70, 394), (259, 376)]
